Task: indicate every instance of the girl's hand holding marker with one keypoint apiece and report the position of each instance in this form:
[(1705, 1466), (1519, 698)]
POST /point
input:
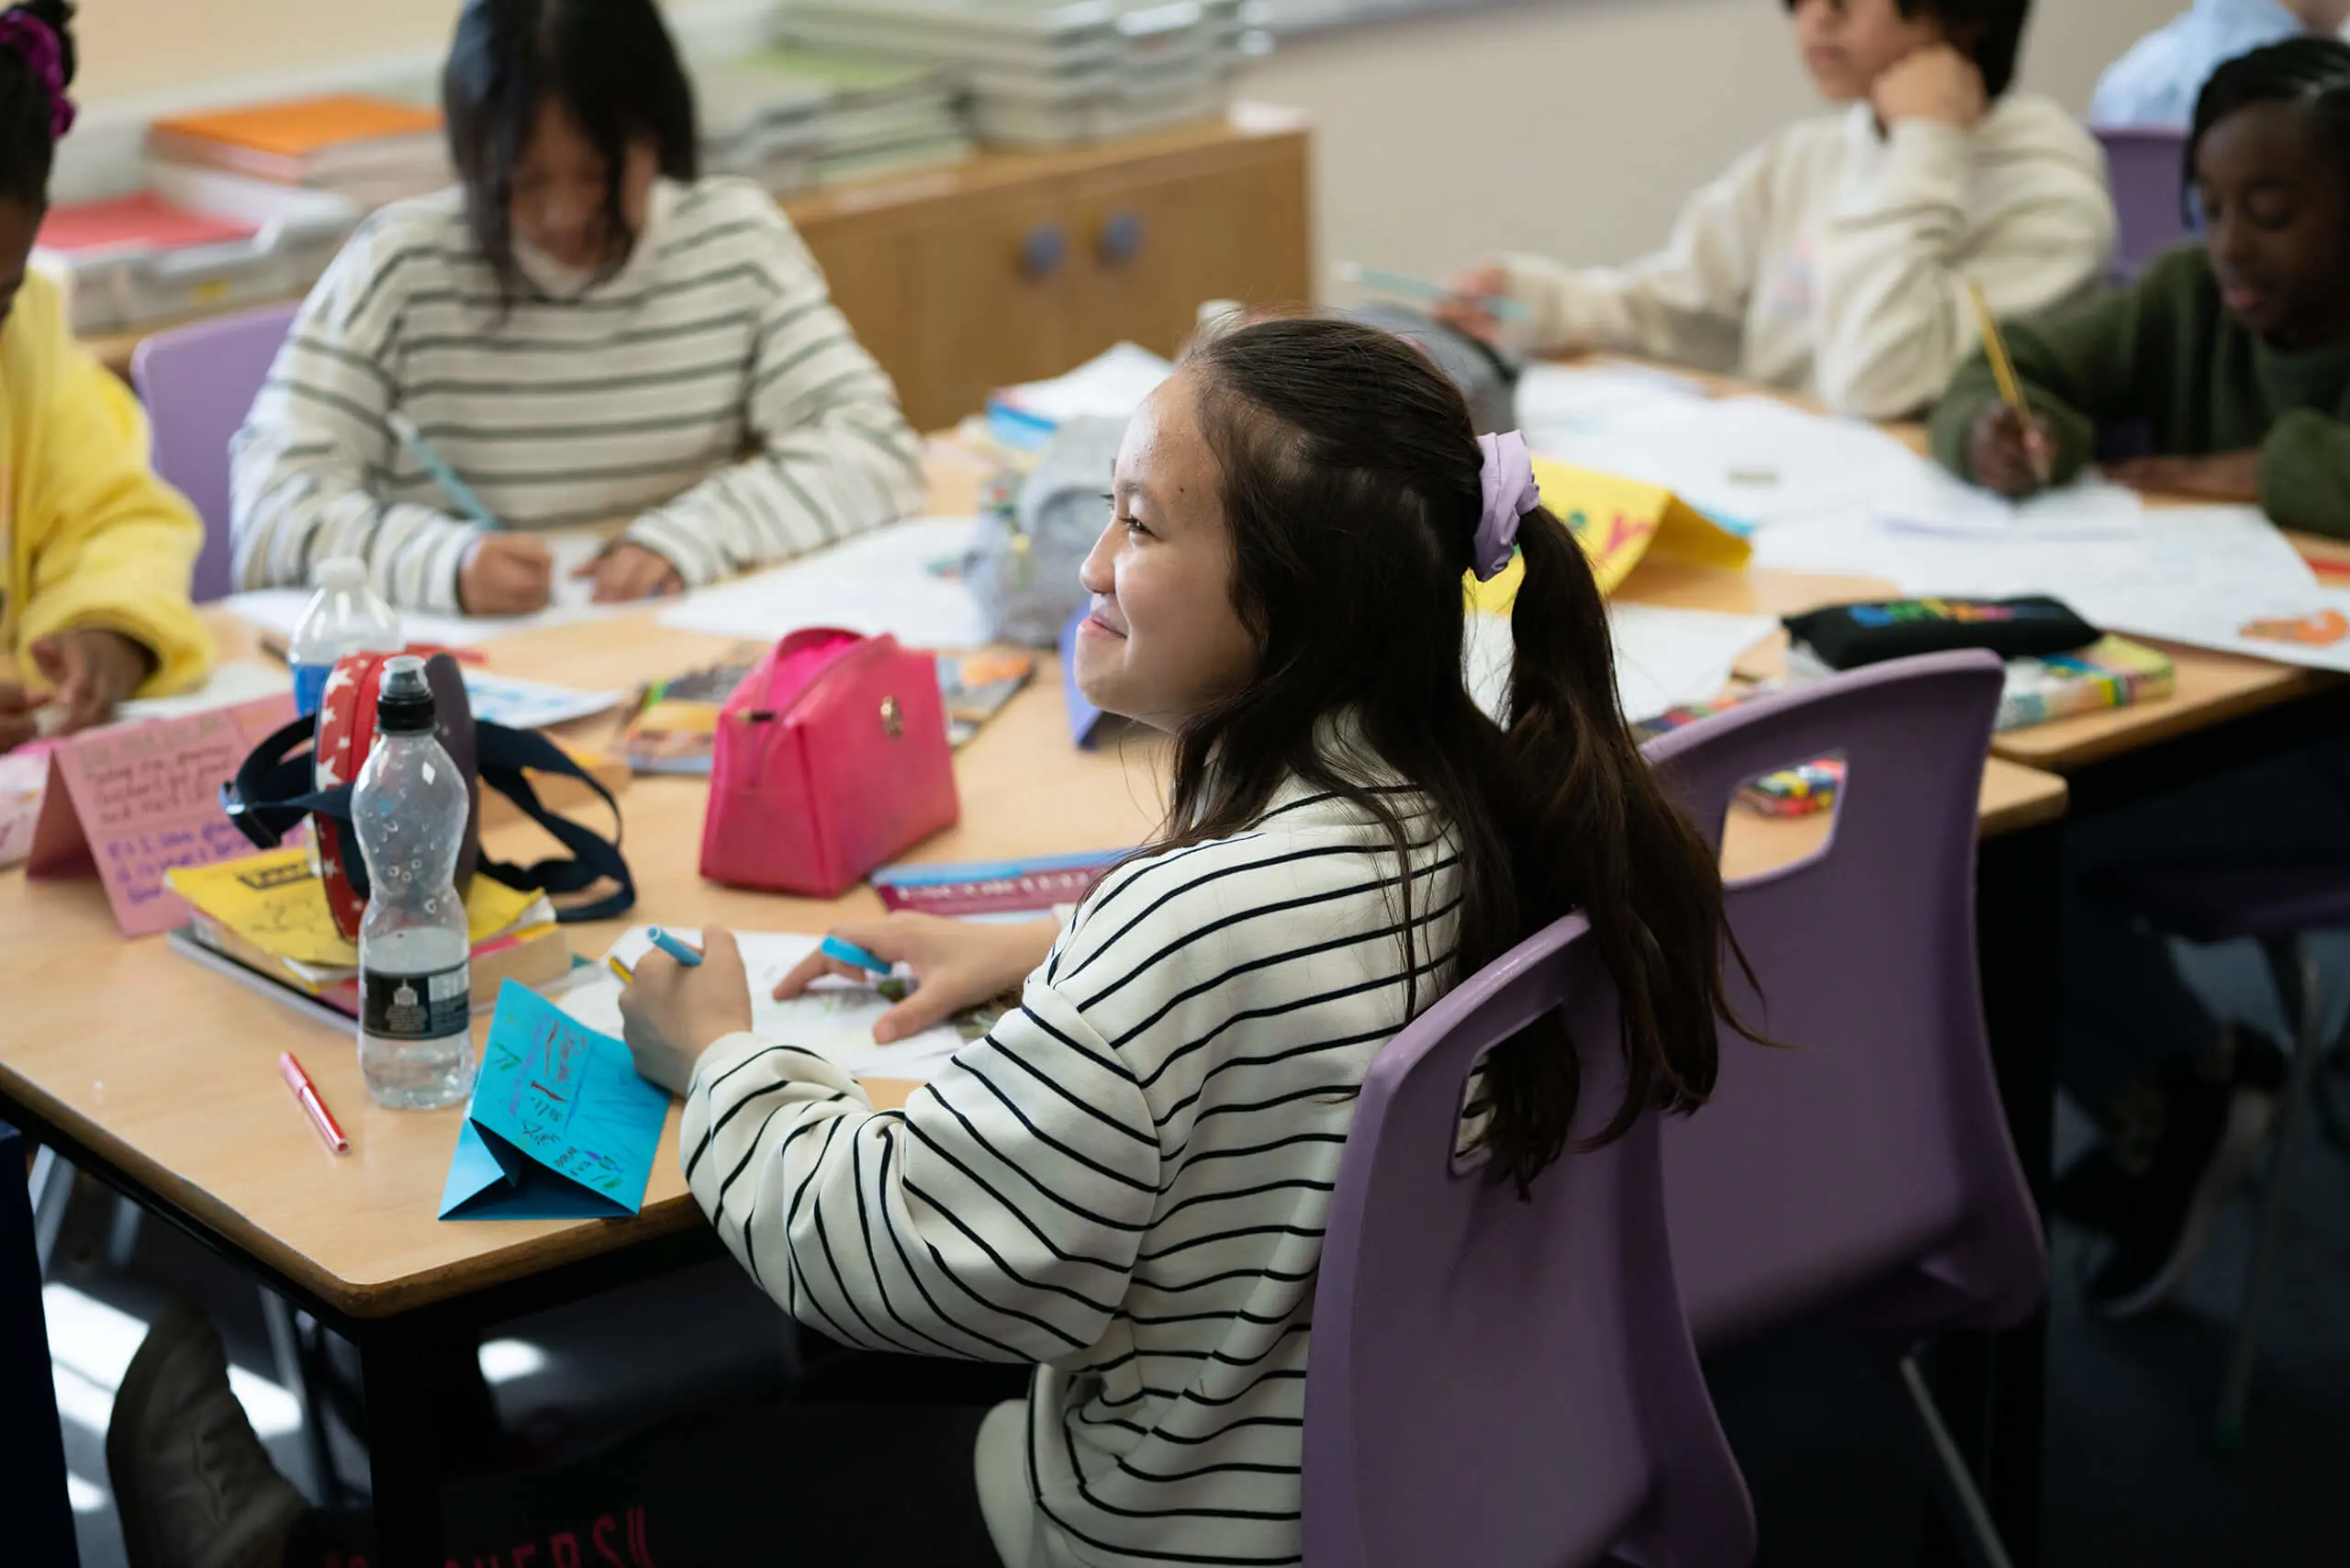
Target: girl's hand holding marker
[(955, 964)]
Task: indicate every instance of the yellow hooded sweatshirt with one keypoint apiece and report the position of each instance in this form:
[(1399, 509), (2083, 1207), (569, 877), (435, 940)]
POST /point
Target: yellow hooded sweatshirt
[(89, 536)]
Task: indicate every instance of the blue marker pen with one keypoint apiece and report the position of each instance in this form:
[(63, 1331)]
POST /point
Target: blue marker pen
[(850, 953), (674, 947)]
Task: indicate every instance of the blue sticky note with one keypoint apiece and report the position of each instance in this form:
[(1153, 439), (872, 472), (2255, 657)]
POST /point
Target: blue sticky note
[(1084, 718), (560, 1127)]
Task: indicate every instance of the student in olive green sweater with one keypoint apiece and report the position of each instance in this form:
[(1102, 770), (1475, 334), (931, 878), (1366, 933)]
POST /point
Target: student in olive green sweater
[(2236, 352)]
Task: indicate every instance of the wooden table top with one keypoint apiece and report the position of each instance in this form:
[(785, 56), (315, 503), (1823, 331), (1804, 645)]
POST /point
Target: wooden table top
[(169, 1071)]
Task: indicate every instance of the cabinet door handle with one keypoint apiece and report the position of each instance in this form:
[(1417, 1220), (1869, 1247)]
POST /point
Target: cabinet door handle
[(1121, 238), (1042, 251)]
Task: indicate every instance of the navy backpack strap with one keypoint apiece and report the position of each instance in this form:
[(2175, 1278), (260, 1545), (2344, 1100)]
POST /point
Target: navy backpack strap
[(504, 758), (274, 789)]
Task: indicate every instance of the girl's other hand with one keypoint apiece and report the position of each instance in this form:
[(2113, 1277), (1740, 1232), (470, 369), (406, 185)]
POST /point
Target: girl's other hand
[(2007, 457), (956, 964), (629, 572), (1464, 309)]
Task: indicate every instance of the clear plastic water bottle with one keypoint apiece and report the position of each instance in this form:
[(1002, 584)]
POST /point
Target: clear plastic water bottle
[(345, 616), (409, 810)]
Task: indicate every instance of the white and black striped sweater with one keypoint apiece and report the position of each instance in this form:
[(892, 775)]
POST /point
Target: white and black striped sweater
[(1126, 1181), (634, 396)]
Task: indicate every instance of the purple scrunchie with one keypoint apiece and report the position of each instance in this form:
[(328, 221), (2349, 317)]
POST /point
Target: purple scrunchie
[(36, 42), (1510, 494)]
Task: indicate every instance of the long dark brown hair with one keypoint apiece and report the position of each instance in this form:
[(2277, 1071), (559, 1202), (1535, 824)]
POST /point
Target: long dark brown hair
[(1351, 491)]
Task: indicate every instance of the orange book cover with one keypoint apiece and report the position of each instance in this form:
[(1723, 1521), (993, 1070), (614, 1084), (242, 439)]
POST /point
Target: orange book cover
[(303, 126)]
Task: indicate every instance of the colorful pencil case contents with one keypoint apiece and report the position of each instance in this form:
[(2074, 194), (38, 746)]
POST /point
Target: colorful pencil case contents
[(1847, 636), (1796, 792)]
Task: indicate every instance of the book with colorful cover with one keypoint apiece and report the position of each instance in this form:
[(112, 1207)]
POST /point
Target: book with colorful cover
[(2112, 672), (1025, 889), (675, 728)]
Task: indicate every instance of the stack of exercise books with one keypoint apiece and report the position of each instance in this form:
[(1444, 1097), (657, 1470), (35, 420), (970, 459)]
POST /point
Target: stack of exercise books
[(369, 151), (824, 116), (263, 920)]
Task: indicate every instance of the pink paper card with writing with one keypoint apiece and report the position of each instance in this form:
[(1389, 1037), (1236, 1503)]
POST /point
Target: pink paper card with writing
[(133, 801)]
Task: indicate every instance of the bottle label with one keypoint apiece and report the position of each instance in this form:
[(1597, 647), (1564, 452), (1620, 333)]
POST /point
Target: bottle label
[(416, 1007), (309, 688)]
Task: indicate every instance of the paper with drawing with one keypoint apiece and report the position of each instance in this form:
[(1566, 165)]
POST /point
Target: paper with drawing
[(560, 1127)]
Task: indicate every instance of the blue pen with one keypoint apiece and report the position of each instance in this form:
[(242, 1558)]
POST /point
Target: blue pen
[(446, 476), (674, 947), (850, 953)]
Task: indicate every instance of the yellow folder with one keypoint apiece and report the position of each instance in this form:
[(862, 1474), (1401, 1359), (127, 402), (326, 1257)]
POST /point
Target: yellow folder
[(1620, 523)]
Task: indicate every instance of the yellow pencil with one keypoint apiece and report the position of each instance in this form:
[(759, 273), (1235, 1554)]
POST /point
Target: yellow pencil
[(2003, 369)]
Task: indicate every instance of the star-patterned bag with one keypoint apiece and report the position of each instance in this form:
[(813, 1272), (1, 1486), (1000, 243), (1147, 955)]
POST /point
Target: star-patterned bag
[(296, 774)]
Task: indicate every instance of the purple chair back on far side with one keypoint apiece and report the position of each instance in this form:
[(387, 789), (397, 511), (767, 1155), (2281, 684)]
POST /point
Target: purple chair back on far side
[(1505, 1382), (1863, 1179), (2147, 167), (198, 383)]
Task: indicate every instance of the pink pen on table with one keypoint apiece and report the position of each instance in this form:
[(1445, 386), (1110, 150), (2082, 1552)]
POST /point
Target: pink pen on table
[(306, 1093)]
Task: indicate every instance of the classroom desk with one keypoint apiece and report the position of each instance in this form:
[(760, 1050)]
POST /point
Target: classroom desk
[(152, 1074)]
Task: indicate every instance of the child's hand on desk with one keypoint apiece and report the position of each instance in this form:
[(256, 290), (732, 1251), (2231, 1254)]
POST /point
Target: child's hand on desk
[(2005, 455), (956, 964), (1465, 311), (628, 572), (93, 670), (505, 574), (19, 715), (2224, 476), (670, 1015)]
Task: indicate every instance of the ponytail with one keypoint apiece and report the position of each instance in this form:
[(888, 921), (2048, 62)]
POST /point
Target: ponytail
[(1594, 830), (1352, 491)]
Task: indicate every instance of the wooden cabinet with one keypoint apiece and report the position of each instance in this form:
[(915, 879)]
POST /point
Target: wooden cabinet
[(1019, 265)]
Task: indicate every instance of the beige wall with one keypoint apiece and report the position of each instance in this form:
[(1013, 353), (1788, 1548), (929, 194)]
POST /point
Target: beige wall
[(167, 47), (1576, 126)]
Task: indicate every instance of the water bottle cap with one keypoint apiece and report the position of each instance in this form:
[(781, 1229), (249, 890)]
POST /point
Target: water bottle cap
[(340, 571), (404, 702)]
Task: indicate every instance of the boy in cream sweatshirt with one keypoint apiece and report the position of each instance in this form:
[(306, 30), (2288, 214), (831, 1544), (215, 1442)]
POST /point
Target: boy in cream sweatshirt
[(1832, 260)]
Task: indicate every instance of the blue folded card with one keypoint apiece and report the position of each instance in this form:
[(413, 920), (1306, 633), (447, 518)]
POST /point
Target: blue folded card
[(560, 1127)]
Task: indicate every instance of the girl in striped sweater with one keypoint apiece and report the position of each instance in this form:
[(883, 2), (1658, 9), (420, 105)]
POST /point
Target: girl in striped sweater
[(1125, 1184), (584, 332)]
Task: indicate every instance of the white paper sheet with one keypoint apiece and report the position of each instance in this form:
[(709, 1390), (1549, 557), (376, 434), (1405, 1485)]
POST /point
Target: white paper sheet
[(1745, 459), (904, 579), (834, 1019), (1935, 501), (276, 609), (531, 704), (1665, 658), (239, 680), (1111, 385)]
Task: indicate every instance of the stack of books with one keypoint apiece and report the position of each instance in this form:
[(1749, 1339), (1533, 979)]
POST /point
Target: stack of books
[(879, 116), (263, 920), (369, 151), (1049, 72), (762, 124)]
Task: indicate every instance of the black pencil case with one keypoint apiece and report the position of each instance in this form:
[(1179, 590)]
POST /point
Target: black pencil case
[(1847, 636)]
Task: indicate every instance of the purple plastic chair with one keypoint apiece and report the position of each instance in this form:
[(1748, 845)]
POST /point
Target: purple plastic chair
[(198, 383), (2275, 906), (1503, 1382), (2147, 168), (1862, 1179)]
